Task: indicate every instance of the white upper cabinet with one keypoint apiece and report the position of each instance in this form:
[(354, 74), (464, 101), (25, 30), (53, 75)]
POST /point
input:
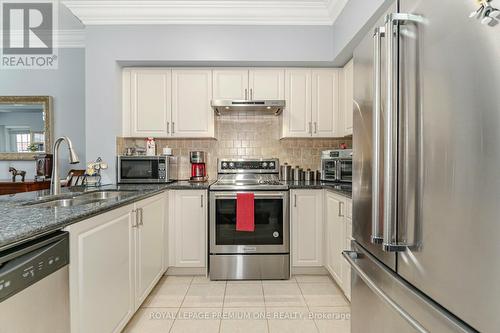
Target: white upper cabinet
[(312, 103), (266, 83), (192, 115), (149, 102), (230, 84), (248, 84), (325, 102), (167, 103), (348, 98), (307, 227), (297, 115)]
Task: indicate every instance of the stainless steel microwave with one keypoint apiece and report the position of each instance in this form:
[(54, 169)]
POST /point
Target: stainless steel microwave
[(336, 165), (146, 169)]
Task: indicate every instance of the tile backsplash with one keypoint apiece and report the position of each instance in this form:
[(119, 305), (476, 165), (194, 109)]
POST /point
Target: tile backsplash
[(242, 135)]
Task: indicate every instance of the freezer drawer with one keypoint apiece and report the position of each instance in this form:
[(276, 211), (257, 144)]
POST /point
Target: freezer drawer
[(381, 302)]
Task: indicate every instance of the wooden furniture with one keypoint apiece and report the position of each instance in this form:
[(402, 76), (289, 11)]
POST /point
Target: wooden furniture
[(10, 187)]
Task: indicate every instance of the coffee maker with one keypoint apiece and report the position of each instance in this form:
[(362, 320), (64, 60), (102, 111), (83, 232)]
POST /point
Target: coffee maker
[(198, 166), (43, 163)]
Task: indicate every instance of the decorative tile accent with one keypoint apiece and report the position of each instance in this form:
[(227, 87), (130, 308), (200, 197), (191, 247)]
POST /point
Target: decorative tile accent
[(242, 135)]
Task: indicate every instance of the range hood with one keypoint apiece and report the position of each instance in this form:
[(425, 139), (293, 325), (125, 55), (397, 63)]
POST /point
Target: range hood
[(258, 106)]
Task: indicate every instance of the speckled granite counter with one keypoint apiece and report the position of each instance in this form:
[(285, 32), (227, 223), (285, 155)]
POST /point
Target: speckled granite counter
[(343, 189), (19, 222)]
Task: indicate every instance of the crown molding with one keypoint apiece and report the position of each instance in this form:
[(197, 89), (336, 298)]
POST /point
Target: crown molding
[(220, 12)]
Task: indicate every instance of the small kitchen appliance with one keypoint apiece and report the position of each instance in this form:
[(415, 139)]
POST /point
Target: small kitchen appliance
[(146, 169), (336, 165), (263, 253), (198, 166)]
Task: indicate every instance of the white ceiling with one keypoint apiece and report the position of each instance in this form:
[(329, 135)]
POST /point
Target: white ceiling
[(240, 12)]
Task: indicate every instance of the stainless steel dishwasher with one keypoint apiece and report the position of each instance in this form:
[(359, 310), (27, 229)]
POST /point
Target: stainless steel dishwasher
[(34, 286)]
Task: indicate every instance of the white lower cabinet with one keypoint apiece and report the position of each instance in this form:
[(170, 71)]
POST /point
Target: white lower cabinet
[(307, 227), (115, 260), (335, 234), (150, 244), (188, 228)]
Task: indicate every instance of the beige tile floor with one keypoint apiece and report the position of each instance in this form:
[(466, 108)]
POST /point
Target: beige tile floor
[(195, 304)]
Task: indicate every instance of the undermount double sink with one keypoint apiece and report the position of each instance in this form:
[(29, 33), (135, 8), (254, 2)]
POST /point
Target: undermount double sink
[(69, 200)]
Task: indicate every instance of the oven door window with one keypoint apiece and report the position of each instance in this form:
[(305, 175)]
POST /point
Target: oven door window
[(139, 169), (268, 223), (346, 170)]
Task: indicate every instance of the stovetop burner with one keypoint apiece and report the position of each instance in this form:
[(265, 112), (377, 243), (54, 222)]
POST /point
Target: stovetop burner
[(248, 174)]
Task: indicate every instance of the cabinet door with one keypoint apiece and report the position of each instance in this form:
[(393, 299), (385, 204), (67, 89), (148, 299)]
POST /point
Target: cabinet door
[(189, 220), (346, 268), (266, 83), (335, 235), (297, 120), (150, 102), (348, 97), (192, 115), (102, 272), (325, 102), (307, 227), (230, 84), (150, 215)]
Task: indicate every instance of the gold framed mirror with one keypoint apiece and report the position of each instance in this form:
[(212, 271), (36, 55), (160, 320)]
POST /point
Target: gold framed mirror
[(25, 127)]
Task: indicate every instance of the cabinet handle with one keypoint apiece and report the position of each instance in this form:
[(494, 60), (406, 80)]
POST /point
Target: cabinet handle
[(315, 127), (168, 127), (141, 223), (201, 202), (310, 128), (340, 209), (134, 223), (295, 200), (173, 127), (251, 93)]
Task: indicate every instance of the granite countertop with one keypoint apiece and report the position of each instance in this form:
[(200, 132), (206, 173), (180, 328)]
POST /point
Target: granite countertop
[(343, 189), (19, 222)]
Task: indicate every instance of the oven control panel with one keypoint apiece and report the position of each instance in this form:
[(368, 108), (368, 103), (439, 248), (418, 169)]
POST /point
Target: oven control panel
[(260, 165)]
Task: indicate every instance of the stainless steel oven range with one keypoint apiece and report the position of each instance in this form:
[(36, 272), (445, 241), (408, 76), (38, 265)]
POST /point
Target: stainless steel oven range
[(265, 252)]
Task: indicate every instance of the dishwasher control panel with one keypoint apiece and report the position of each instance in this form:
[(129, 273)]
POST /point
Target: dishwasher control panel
[(24, 265)]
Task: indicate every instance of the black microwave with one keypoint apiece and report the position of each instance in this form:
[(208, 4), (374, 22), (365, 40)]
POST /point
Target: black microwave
[(146, 169)]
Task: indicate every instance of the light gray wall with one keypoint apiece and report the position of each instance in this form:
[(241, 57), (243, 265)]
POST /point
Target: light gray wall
[(67, 87), (353, 24), (108, 47)]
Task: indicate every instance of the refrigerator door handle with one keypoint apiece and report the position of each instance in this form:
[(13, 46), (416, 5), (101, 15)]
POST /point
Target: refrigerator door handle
[(376, 237), (351, 256), (390, 243)]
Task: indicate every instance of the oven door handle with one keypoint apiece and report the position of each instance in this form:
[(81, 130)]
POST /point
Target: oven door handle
[(257, 195)]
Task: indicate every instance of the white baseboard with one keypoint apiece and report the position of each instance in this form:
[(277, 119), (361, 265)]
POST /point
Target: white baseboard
[(186, 271), (309, 270)]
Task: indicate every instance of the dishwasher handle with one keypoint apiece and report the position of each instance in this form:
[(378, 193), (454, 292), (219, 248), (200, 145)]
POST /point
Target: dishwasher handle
[(26, 264)]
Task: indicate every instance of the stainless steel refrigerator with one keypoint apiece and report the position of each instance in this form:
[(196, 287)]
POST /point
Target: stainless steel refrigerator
[(426, 178)]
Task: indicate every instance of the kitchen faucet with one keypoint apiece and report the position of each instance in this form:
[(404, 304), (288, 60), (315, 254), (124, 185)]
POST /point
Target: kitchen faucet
[(55, 183)]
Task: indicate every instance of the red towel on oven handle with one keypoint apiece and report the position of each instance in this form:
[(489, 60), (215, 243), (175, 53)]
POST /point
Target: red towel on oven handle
[(245, 212)]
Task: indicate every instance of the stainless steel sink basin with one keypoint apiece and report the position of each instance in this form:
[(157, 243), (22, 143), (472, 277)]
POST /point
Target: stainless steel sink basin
[(79, 199)]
